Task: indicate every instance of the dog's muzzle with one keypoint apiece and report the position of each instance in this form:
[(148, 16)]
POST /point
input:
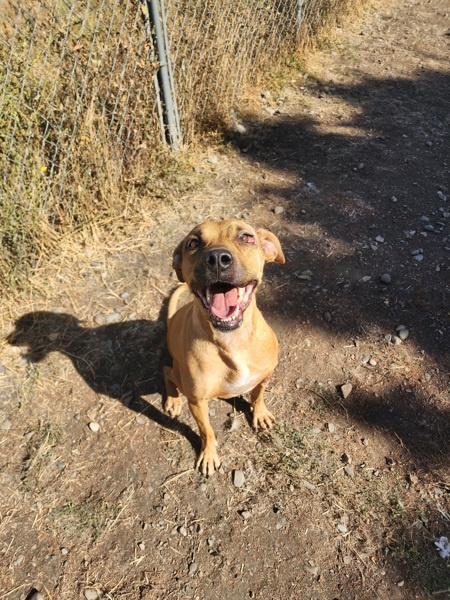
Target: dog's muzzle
[(226, 303)]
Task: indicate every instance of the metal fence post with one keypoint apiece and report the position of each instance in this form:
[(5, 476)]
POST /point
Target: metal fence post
[(165, 85)]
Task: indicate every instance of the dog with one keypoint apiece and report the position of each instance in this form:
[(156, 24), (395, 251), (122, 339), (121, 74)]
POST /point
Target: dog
[(220, 344)]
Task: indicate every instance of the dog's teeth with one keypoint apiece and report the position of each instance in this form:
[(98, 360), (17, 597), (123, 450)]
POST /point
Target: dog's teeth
[(241, 292), (208, 296)]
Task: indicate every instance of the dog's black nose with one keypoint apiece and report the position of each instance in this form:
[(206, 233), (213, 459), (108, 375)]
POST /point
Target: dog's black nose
[(218, 260)]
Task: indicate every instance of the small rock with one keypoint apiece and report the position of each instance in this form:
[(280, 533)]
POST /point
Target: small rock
[(94, 426), (278, 210), (346, 390), (182, 531), (418, 257), (372, 362), (442, 196), (316, 430), (5, 425), (193, 568), (328, 317), (64, 551), (60, 464), (308, 485), (112, 318), (238, 478), (425, 219), (416, 252), (2, 369), (401, 583), (240, 128), (91, 594), (396, 340), (212, 159), (386, 278), (313, 570), (365, 442), (141, 546), (349, 471), (379, 239), (347, 559), (413, 479), (400, 327), (388, 337), (403, 334), (140, 420), (331, 427), (394, 199), (100, 319), (342, 528), (246, 514), (429, 227)]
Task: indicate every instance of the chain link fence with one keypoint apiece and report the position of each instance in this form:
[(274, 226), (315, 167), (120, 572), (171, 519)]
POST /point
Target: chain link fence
[(80, 107)]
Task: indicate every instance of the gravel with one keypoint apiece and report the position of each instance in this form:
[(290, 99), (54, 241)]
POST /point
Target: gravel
[(94, 426), (346, 390), (238, 478)]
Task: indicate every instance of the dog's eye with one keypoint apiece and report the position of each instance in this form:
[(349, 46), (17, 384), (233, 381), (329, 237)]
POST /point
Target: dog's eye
[(192, 244), (247, 238)]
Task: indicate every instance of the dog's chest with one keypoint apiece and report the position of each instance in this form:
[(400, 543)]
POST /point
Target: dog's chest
[(241, 381)]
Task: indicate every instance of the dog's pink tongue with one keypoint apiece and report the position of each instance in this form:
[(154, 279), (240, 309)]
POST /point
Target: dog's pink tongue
[(224, 304)]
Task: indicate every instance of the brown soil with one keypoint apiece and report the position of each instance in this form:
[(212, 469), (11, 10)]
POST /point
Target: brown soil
[(345, 497)]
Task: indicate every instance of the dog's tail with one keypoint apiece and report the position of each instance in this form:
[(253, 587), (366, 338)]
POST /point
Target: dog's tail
[(173, 302)]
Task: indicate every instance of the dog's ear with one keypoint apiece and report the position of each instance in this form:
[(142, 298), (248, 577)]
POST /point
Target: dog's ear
[(271, 247), (176, 261)]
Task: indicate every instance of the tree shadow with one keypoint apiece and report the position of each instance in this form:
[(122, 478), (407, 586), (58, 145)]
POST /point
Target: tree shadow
[(121, 360), (354, 191)]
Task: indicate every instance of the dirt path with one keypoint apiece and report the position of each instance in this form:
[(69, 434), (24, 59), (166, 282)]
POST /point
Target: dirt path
[(346, 497)]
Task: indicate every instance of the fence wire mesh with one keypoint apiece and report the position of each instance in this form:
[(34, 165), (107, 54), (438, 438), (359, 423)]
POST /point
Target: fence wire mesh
[(79, 99)]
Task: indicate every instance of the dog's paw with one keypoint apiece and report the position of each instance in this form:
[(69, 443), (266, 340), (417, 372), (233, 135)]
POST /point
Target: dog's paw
[(208, 461), (262, 418), (173, 406)]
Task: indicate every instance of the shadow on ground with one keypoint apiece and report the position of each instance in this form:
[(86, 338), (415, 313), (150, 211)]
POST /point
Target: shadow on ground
[(121, 360)]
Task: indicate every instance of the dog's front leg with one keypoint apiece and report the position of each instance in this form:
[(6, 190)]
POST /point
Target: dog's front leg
[(174, 401), (262, 417), (208, 459)]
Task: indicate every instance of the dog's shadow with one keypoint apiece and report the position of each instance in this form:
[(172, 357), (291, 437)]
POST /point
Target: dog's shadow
[(121, 360)]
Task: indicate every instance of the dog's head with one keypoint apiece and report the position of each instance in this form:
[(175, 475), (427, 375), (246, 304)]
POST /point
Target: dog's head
[(223, 263)]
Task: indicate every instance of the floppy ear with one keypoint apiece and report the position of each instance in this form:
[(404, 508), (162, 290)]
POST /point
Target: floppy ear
[(270, 246), (176, 260)]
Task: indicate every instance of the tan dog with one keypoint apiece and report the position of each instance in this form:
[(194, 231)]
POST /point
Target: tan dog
[(220, 343)]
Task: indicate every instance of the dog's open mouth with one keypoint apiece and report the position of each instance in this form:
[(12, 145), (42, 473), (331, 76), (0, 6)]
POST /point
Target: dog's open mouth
[(226, 303)]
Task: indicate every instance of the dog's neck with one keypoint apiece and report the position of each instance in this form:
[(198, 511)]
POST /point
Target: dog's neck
[(228, 340)]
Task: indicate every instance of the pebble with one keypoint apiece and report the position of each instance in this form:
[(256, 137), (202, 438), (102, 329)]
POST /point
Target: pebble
[(379, 239), (418, 257), (112, 318), (91, 594), (394, 199), (349, 471), (442, 196), (316, 430), (182, 531), (342, 528), (60, 464), (416, 252), (94, 426), (99, 319), (2, 369), (388, 337), (141, 545), (238, 478), (396, 340), (327, 316), (331, 427), (429, 227), (5, 425), (425, 219), (193, 568), (278, 210), (346, 390), (403, 334), (313, 570), (386, 278), (347, 560), (372, 362), (140, 420), (64, 551), (308, 485)]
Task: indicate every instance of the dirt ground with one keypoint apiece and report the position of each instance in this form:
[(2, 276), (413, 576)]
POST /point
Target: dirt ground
[(345, 497)]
